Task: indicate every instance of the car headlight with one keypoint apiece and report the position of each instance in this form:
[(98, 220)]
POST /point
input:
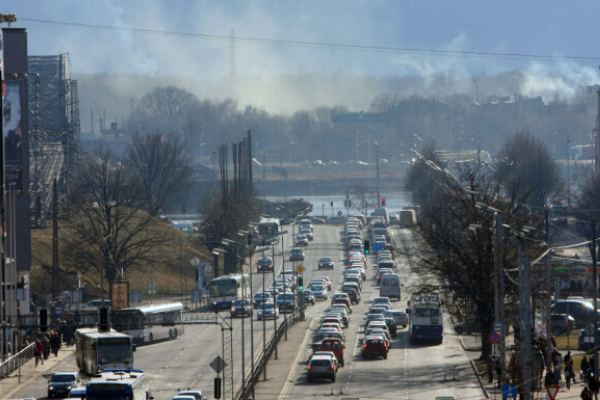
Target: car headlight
[(69, 387), (50, 387)]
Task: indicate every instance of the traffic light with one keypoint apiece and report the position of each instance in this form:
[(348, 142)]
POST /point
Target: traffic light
[(43, 320), (103, 321), (300, 283), (217, 389), (367, 247)]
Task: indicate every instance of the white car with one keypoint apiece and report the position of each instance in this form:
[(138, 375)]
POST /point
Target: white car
[(197, 394)]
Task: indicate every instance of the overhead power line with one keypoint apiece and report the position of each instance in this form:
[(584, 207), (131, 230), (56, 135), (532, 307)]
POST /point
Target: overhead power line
[(329, 45)]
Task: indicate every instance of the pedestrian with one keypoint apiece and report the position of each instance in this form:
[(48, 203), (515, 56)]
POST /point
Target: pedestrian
[(54, 342), (46, 343), (557, 361), (38, 352), (568, 362), (498, 366), (584, 365), (594, 386)]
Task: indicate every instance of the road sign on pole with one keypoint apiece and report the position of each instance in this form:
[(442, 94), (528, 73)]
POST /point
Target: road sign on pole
[(300, 268), (218, 364), (552, 391)]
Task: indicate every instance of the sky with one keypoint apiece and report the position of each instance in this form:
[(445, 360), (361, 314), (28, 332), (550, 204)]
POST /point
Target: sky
[(549, 27)]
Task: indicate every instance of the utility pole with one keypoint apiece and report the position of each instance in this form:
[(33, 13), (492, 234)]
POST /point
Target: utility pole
[(596, 132), (377, 174), (54, 241), (547, 297), (568, 173), (2, 222), (499, 289), (525, 317)]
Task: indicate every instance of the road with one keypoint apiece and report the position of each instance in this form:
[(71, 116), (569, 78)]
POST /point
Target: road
[(411, 371), (184, 363)]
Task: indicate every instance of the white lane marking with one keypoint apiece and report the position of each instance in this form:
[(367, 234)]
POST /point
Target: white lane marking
[(292, 373)]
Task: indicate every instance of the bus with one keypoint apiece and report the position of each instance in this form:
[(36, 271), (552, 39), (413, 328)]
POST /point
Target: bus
[(224, 289), (268, 229), (147, 324), (426, 322), (118, 385), (99, 351)]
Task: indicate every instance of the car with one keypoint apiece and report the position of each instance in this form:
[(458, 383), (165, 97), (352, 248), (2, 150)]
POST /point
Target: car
[(333, 345), (373, 346), (61, 383), (561, 323), (325, 333), (373, 317), (308, 233), (381, 272), (350, 285), (241, 308), (181, 397), (400, 317), (77, 393), (353, 294), (262, 297), (325, 263), (377, 310), (301, 241), (323, 278), (95, 304), (197, 394), (335, 325), (320, 367), (341, 298), (353, 278), (391, 325), (319, 291), (267, 310), (309, 297), (264, 264), (286, 302), (467, 327), (296, 254)]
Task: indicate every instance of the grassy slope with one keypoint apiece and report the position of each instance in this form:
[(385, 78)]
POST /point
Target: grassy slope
[(166, 272)]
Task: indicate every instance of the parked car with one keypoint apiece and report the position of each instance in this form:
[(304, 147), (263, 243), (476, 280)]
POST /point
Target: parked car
[(325, 263), (61, 383)]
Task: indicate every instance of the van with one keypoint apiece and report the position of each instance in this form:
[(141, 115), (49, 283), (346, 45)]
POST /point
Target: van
[(408, 218), (387, 263), (390, 286)]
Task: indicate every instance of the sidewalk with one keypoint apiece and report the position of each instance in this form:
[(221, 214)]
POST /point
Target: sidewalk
[(29, 371), (280, 370)]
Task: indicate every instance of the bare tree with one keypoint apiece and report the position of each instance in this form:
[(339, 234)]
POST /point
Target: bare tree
[(159, 164), (109, 230), (527, 171)]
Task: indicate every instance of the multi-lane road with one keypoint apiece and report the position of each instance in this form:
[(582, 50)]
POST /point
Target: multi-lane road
[(410, 372)]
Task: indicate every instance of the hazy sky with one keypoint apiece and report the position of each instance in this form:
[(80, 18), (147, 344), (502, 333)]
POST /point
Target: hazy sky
[(539, 26)]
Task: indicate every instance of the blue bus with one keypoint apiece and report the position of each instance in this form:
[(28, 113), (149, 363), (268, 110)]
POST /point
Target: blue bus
[(426, 322)]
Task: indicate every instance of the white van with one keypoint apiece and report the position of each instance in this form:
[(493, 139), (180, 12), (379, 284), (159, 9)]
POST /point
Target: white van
[(408, 218), (390, 286)]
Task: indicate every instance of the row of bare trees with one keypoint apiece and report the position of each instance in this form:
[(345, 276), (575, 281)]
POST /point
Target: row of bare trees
[(458, 225), (113, 202)]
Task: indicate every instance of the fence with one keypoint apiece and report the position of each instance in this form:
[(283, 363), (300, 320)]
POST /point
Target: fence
[(17, 361), (263, 358)]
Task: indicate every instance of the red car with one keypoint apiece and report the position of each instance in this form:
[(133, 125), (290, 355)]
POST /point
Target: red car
[(374, 346)]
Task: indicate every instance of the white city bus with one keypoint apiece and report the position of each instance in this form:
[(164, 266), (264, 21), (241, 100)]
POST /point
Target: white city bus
[(118, 385), (426, 322), (147, 324), (225, 289), (100, 351), (268, 229)]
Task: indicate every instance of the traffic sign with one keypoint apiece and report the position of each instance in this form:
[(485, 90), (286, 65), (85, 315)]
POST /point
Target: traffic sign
[(552, 391), (218, 364), (300, 268)]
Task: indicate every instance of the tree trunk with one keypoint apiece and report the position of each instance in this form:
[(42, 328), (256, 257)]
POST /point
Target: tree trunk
[(486, 347)]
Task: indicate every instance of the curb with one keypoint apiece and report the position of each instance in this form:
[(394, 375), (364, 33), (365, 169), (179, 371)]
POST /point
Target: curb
[(478, 375)]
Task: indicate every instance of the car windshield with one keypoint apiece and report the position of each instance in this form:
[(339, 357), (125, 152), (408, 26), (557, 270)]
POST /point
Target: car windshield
[(268, 306), (317, 288), (325, 260), (63, 378), (241, 303)]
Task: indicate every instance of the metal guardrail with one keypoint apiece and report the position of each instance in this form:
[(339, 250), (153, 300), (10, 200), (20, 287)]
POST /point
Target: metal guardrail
[(15, 362), (260, 365)]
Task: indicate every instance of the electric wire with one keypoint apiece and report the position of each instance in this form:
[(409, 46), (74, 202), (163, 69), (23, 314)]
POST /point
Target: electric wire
[(328, 45)]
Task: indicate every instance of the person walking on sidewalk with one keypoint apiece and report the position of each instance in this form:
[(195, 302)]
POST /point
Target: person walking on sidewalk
[(38, 352), (568, 362), (54, 342)]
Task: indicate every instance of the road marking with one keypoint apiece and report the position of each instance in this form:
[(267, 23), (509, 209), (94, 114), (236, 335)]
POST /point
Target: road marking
[(302, 352)]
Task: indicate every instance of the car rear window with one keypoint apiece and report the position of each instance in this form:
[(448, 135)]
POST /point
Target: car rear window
[(320, 363)]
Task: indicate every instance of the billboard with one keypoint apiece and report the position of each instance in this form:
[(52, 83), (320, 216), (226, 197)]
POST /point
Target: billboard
[(12, 131)]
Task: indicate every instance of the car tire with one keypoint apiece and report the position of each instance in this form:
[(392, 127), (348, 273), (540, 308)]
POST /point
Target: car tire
[(333, 379)]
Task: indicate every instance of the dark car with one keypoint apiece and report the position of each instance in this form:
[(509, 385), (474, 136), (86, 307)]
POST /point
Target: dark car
[(392, 327), (561, 323), (374, 346), (286, 302), (309, 298), (296, 254), (325, 263), (353, 294), (61, 383), (241, 308), (581, 310), (264, 264), (262, 297)]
